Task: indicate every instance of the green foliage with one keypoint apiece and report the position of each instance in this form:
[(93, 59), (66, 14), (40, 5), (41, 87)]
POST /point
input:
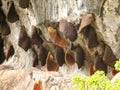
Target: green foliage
[(79, 82), (117, 65), (98, 81)]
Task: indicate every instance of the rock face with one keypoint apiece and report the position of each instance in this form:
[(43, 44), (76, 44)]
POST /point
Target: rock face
[(26, 78), (45, 13)]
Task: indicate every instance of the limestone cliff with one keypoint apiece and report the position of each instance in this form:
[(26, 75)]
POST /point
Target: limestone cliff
[(45, 13)]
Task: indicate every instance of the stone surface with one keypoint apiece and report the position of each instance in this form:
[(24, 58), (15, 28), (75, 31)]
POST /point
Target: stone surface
[(42, 13), (117, 76), (25, 79)]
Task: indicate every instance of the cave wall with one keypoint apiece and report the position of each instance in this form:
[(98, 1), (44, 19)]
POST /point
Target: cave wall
[(42, 13)]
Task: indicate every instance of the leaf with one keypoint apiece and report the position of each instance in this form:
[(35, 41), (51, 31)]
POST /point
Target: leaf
[(117, 65)]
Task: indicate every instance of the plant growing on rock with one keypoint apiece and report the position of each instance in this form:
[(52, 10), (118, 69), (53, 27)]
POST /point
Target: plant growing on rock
[(117, 65), (98, 81)]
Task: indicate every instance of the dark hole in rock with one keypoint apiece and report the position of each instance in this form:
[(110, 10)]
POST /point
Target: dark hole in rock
[(24, 40), (35, 57), (2, 55), (2, 15), (99, 63), (79, 55), (42, 55), (35, 61), (10, 51), (86, 20), (24, 3), (108, 57), (68, 29), (92, 38), (0, 3), (85, 31), (35, 37), (4, 28), (90, 34), (59, 55), (12, 15), (1, 43)]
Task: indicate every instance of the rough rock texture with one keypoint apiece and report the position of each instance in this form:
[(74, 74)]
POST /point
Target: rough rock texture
[(117, 76), (110, 25), (42, 13), (25, 79)]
